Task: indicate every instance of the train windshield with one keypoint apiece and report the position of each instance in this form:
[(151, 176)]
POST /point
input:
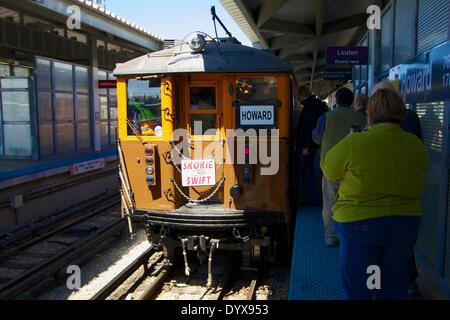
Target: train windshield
[(203, 110), (256, 90), (144, 107)]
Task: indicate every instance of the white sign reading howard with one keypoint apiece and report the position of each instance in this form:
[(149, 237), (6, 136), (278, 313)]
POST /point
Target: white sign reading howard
[(257, 115), (198, 173)]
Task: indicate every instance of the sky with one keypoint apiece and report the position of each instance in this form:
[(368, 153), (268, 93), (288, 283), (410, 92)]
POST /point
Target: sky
[(174, 19)]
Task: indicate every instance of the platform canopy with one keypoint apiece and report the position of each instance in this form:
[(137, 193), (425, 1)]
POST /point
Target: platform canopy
[(301, 30)]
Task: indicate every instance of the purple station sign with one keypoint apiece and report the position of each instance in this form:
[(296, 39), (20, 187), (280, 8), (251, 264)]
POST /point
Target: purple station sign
[(347, 55)]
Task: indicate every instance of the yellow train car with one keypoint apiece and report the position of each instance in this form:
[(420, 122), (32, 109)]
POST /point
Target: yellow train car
[(204, 145)]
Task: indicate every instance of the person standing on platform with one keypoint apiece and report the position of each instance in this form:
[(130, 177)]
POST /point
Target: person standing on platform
[(306, 149), (377, 212), (411, 124), (331, 128), (360, 105)]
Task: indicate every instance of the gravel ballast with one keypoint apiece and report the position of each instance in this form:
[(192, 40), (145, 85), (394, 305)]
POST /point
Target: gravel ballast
[(100, 268)]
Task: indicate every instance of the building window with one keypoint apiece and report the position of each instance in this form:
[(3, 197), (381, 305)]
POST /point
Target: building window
[(37, 24), (76, 36), (64, 115), (9, 15), (16, 107), (7, 70), (108, 111), (63, 76)]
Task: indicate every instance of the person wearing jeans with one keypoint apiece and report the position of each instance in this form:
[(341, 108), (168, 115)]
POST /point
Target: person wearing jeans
[(377, 211), (329, 191), (385, 242), (411, 124), (331, 128)]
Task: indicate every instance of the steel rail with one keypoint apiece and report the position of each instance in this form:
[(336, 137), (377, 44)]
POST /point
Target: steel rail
[(252, 287), (157, 283), (118, 280), (224, 283)]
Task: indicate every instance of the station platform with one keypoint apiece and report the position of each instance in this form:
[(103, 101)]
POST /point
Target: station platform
[(53, 185), (28, 170), (315, 273)]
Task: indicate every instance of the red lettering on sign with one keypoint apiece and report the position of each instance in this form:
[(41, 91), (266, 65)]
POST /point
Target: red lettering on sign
[(198, 172)]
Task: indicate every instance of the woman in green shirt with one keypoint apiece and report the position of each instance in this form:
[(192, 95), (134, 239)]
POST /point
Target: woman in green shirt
[(377, 211)]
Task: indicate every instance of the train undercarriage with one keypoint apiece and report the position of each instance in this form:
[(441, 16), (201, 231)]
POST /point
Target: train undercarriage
[(201, 230)]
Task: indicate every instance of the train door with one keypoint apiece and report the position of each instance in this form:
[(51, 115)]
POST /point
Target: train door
[(261, 112), (204, 117)]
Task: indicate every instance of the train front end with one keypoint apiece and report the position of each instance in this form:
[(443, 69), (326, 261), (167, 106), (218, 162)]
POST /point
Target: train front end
[(204, 147)]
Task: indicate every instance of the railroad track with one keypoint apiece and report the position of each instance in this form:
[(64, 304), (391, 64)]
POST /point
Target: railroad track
[(53, 224), (28, 263), (160, 280)]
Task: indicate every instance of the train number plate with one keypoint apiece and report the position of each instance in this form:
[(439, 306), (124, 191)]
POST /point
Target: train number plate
[(198, 173)]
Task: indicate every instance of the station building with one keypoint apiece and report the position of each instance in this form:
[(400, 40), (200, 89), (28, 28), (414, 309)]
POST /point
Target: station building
[(411, 49), (58, 127)]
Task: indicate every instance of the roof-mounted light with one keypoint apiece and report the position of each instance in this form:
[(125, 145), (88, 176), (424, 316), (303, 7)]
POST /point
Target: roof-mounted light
[(197, 43)]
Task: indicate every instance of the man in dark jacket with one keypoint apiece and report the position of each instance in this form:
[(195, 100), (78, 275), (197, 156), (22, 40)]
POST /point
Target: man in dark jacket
[(306, 149)]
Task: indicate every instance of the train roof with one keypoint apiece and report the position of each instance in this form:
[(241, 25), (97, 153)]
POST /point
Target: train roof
[(217, 57)]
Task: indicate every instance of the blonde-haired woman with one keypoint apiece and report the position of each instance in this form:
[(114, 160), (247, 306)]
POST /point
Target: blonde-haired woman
[(377, 211)]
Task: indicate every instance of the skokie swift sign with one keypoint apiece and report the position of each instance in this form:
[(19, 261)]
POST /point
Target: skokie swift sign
[(198, 173)]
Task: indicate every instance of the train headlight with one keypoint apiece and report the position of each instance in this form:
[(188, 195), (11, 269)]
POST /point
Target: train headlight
[(150, 180), (149, 160), (197, 43), (236, 191), (149, 151), (247, 174)]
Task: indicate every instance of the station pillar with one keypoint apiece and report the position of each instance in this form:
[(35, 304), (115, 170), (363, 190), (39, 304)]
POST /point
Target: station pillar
[(374, 49), (95, 103)]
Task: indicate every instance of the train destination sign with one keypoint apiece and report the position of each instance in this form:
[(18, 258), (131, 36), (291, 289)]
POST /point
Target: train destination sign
[(348, 55), (196, 173), (257, 115), (426, 78)]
